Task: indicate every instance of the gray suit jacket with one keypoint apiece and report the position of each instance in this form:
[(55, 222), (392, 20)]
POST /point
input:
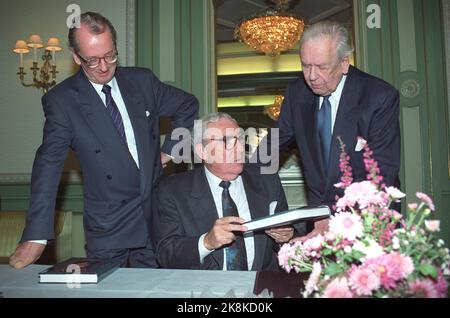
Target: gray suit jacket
[(118, 197), (187, 210)]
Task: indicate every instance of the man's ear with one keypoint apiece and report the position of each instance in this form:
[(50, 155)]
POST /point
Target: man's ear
[(345, 64), (199, 151), (76, 58)]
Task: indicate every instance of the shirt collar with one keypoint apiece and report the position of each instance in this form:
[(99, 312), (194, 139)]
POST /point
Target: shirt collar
[(338, 92), (99, 87), (214, 181)]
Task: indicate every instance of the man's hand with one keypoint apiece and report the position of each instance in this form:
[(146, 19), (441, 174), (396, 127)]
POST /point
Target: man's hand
[(281, 234), (165, 158), (222, 232), (26, 253), (320, 227)]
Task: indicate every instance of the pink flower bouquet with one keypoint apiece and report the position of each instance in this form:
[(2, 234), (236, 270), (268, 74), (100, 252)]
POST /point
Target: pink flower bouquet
[(371, 250)]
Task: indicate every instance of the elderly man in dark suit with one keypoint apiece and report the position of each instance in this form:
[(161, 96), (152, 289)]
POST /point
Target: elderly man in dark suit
[(199, 224), (109, 117), (333, 99)]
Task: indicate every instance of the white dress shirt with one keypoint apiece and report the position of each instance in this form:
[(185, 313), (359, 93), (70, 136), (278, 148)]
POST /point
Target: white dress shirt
[(237, 193), (129, 132), (334, 99), (117, 96)]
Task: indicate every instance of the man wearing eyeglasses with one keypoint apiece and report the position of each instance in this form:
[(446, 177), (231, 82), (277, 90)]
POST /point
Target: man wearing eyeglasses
[(201, 212), (109, 117)]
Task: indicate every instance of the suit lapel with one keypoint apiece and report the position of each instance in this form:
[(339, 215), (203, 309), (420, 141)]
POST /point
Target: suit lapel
[(205, 209), (347, 116), (97, 117), (134, 102), (259, 207)]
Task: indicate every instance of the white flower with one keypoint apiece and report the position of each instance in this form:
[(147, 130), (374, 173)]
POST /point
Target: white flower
[(346, 224), (311, 284), (372, 250), (394, 192), (348, 249)]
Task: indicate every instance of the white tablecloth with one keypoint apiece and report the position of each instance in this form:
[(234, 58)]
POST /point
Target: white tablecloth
[(131, 282)]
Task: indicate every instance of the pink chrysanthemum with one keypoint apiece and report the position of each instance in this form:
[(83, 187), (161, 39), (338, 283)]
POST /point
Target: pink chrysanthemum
[(389, 268), (346, 224), (363, 280), (423, 289), (404, 264), (365, 193), (432, 225), (314, 243), (286, 252), (311, 284), (426, 199), (441, 285), (338, 288)]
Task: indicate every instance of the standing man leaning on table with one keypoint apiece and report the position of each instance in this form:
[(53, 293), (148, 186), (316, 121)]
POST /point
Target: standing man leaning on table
[(109, 117)]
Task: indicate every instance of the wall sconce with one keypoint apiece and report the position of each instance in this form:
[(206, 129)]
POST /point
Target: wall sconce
[(47, 72)]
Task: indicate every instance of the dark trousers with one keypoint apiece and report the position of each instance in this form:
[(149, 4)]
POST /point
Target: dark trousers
[(140, 257)]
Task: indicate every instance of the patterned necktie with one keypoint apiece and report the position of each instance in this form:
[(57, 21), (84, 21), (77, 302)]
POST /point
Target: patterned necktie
[(324, 127), (114, 112), (236, 254)]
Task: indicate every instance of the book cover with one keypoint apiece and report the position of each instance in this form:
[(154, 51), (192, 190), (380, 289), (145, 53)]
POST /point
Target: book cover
[(78, 270), (280, 284), (288, 217)]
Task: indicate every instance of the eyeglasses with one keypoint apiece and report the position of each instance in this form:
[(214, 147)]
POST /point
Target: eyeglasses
[(230, 141), (93, 62)]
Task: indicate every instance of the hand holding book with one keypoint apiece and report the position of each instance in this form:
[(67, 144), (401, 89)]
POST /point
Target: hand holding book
[(281, 234)]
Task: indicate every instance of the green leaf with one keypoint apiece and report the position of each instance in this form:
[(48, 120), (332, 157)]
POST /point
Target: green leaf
[(333, 269), (428, 270), (327, 252)]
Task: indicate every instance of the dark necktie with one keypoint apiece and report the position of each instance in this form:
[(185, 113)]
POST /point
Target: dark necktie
[(114, 112), (324, 127), (236, 254)]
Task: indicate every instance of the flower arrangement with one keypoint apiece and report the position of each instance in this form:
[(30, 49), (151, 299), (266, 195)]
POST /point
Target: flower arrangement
[(369, 249)]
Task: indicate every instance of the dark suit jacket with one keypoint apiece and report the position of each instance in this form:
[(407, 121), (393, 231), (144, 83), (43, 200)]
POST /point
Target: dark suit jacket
[(118, 197), (187, 210), (369, 107)]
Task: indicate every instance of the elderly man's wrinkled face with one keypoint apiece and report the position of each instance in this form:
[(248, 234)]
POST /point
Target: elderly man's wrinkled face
[(321, 68), (94, 46), (223, 150)]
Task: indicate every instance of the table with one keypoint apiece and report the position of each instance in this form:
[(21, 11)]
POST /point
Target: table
[(131, 283)]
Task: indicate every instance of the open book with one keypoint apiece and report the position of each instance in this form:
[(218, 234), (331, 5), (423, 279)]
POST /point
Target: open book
[(288, 217), (78, 270)]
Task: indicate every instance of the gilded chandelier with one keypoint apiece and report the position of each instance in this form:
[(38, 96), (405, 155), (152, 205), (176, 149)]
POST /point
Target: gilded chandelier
[(272, 31)]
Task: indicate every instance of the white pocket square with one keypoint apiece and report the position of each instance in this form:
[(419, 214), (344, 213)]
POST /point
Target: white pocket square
[(272, 207), (360, 144), (147, 113)]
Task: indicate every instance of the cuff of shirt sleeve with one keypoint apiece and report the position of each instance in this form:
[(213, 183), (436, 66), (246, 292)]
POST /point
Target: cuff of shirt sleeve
[(202, 250), (44, 242)]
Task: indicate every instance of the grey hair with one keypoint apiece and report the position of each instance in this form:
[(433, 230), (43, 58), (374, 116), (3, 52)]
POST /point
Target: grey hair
[(205, 121), (333, 30)]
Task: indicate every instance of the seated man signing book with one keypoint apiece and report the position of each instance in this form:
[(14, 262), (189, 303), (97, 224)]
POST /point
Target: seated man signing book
[(201, 212)]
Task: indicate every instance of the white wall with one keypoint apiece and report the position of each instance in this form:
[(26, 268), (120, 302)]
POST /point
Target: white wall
[(21, 115)]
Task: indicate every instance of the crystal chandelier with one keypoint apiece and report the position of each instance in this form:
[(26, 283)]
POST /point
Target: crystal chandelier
[(273, 111), (273, 31)]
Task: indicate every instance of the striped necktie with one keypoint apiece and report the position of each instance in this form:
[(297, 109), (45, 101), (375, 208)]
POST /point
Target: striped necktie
[(114, 112), (236, 254)]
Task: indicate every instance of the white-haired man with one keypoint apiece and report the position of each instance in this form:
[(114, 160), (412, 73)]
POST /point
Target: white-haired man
[(199, 224)]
